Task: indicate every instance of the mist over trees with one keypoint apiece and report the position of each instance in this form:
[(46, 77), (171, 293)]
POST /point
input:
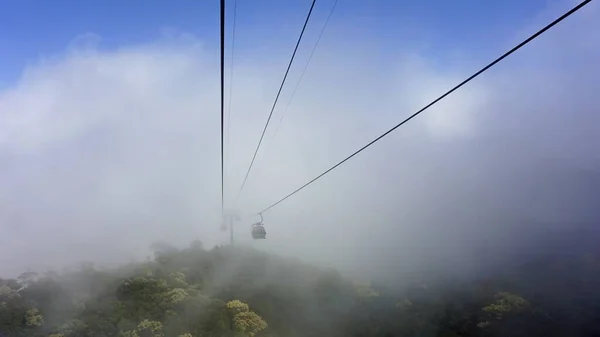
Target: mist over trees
[(479, 218), (241, 291)]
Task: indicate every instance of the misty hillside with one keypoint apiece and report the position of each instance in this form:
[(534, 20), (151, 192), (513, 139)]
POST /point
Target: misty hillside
[(236, 290), (423, 169)]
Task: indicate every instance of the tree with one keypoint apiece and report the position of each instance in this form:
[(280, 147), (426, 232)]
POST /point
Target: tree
[(503, 313), (506, 303), (244, 321), (33, 317), (146, 328), (364, 290), (235, 291)]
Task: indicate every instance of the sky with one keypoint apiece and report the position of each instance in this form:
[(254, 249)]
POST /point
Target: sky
[(109, 129)]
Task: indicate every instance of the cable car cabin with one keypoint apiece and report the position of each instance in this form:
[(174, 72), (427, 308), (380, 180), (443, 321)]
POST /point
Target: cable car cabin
[(258, 231)]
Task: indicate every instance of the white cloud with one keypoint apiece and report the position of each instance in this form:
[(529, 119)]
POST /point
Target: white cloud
[(119, 148)]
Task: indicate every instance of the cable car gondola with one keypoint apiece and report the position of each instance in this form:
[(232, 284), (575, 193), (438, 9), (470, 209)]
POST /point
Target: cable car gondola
[(258, 230)]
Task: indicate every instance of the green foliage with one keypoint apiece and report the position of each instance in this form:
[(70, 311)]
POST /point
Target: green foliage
[(233, 291), (236, 306), (33, 317), (245, 322), (364, 290), (148, 328), (506, 303), (248, 323)]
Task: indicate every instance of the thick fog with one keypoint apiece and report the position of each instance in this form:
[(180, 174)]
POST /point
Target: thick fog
[(103, 152)]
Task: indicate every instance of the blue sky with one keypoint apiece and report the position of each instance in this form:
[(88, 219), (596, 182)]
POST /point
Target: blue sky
[(30, 29)]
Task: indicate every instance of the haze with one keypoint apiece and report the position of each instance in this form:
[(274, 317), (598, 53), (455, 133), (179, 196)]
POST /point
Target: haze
[(119, 147)]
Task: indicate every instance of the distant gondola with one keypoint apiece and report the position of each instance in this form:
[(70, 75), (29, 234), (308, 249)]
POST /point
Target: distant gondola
[(258, 231)]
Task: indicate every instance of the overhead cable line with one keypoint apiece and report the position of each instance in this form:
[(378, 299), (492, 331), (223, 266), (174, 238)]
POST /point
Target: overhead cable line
[(302, 75), (526, 41), (222, 104), (276, 98), (227, 147)]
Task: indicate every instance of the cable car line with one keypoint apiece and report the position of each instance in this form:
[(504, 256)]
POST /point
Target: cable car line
[(227, 147), (302, 75), (517, 47), (222, 19), (276, 98)]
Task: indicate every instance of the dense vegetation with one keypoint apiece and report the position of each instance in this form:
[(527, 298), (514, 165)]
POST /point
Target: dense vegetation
[(236, 291)]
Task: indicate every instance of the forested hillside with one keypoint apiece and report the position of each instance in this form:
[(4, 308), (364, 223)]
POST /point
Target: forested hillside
[(237, 291)]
